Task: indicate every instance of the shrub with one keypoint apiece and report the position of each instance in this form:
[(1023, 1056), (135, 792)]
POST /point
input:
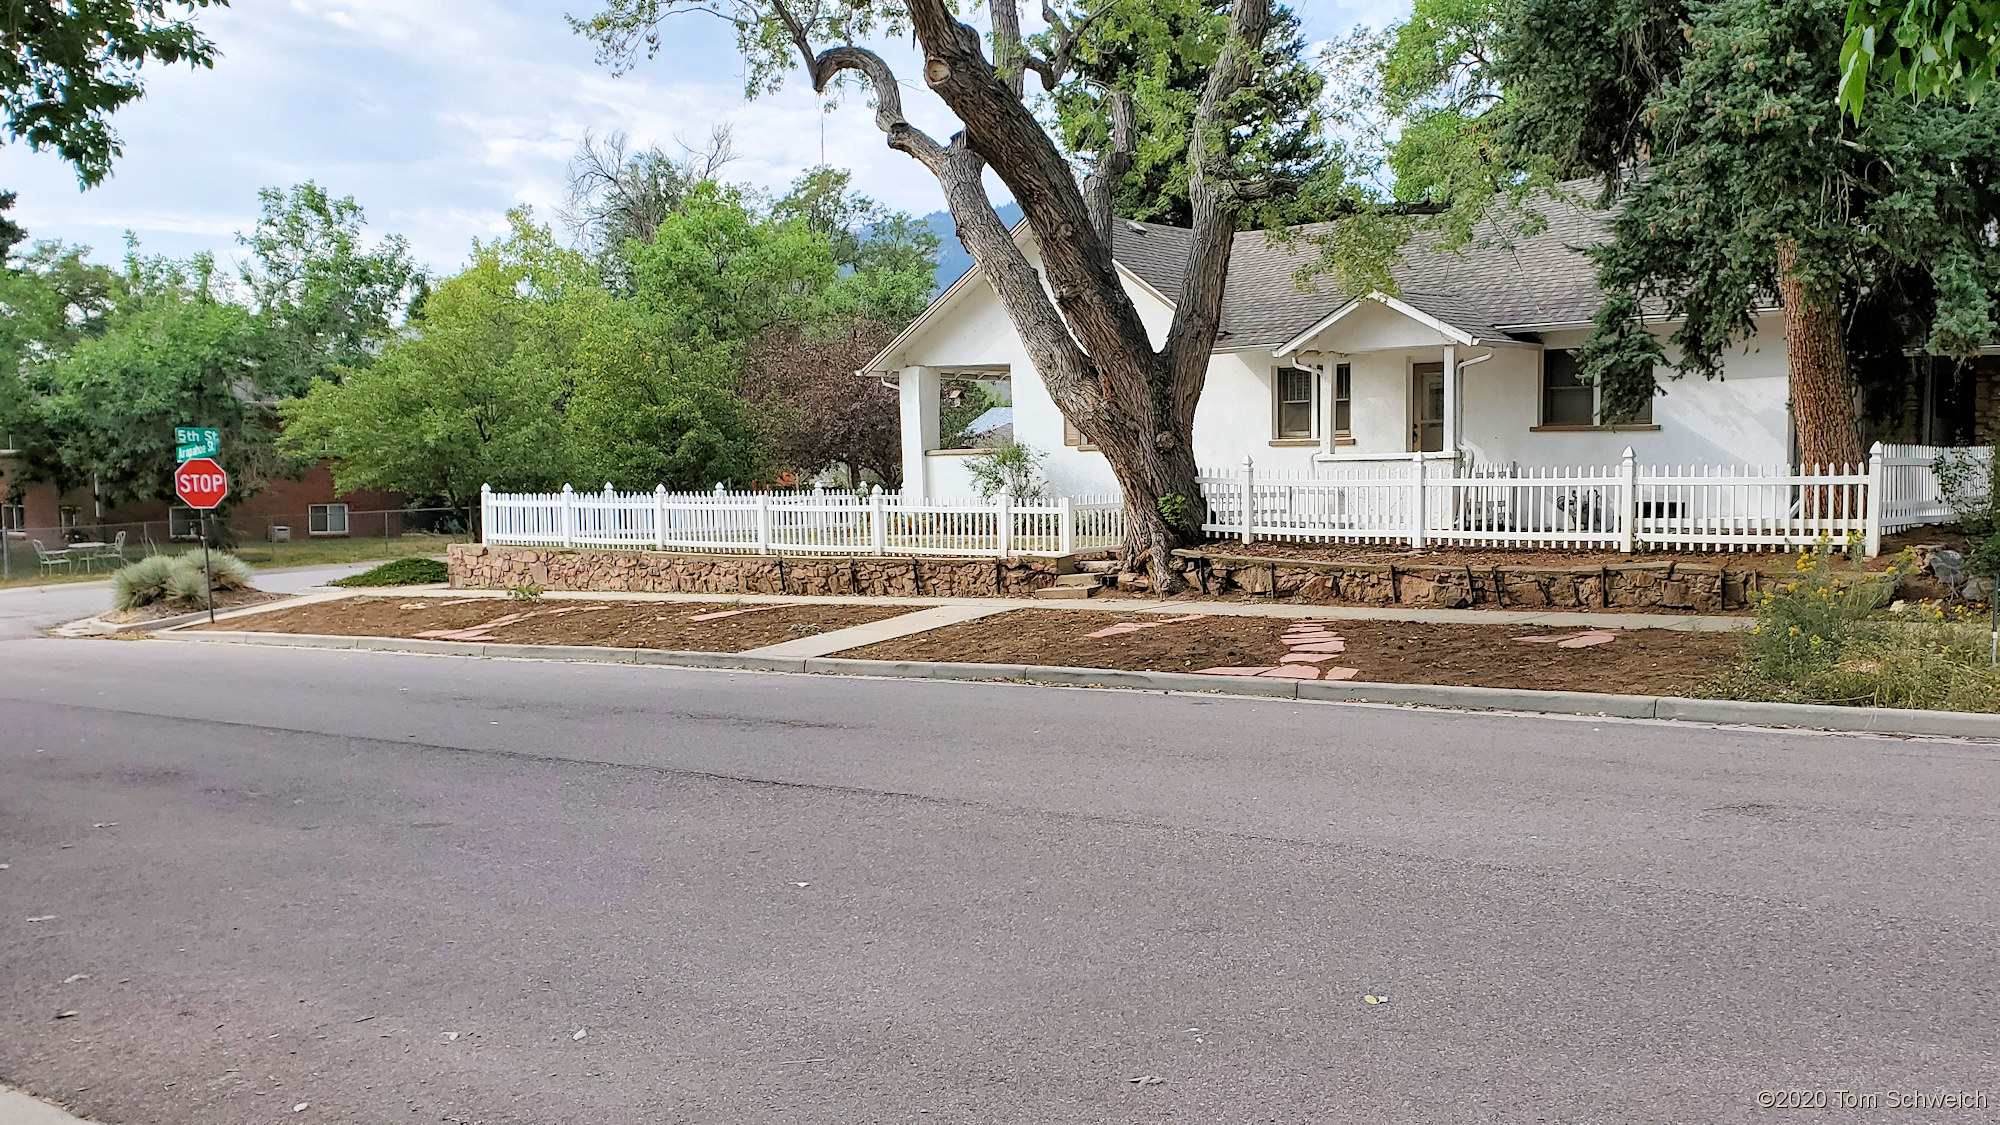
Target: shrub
[(1014, 470), (1822, 639), (401, 572), (141, 583), (176, 579), (1807, 625)]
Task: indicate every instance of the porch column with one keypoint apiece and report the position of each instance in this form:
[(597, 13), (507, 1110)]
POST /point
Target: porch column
[(1451, 397), (917, 392)]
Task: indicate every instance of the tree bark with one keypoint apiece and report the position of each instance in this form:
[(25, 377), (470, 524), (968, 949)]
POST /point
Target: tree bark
[(1078, 324), (1816, 353)]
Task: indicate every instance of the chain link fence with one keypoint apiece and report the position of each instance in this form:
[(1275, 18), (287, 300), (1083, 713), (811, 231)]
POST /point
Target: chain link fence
[(100, 546)]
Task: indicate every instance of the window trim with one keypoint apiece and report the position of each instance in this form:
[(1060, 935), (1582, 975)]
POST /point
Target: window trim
[(1072, 436), (1279, 402), (1343, 394), (324, 515), (190, 528), (1596, 423)]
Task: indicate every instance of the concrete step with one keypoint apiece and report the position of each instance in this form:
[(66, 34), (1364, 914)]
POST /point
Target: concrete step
[(1089, 581), (1098, 566), (1065, 593)]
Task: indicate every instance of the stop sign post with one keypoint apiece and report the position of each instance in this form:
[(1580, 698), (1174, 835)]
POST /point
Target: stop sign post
[(201, 484)]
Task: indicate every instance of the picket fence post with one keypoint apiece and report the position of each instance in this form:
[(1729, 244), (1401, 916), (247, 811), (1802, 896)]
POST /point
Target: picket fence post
[(568, 516), (878, 523), (763, 523), (1876, 499), (485, 513), (1628, 508), (660, 516), (1249, 500), (1004, 524), (1417, 500), (1065, 526)]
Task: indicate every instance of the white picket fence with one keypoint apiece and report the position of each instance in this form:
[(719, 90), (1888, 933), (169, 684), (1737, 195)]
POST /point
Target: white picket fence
[(1621, 507), (1418, 502), (798, 523)]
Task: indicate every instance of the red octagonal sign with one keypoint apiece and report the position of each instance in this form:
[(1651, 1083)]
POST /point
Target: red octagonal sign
[(201, 483)]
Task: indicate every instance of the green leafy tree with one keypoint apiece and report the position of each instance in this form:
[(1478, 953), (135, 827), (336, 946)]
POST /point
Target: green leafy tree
[(1922, 48), (1154, 56), (50, 298), (617, 196), (887, 259), (327, 300), (524, 372), (1755, 192), (722, 273), (172, 351), (66, 67)]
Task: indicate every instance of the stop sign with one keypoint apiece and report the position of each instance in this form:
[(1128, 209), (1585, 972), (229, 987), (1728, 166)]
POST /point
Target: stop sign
[(201, 483)]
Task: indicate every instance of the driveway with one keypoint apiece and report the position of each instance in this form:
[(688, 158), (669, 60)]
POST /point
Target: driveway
[(393, 887)]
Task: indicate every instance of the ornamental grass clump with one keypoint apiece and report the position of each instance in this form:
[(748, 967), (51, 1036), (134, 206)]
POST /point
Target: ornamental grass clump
[(176, 580)]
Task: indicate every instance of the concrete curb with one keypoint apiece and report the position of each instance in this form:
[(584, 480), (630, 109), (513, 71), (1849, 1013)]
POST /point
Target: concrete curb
[(1859, 720)]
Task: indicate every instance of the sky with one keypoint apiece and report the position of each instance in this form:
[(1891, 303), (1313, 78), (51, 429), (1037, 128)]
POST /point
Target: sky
[(440, 115)]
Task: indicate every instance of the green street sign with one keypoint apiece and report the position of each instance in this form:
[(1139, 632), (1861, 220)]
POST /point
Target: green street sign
[(191, 442)]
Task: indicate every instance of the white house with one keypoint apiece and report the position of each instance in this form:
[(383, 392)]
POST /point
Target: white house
[(1471, 362)]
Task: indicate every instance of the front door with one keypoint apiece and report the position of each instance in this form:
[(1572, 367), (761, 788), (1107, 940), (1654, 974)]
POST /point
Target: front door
[(1427, 408)]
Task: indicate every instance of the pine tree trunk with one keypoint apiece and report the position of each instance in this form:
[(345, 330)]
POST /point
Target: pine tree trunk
[(1816, 352)]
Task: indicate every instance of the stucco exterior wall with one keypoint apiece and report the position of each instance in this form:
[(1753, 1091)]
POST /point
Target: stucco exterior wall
[(1740, 418)]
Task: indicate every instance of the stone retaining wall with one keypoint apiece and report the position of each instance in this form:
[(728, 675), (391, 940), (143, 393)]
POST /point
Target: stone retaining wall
[(473, 566), (1631, 586)]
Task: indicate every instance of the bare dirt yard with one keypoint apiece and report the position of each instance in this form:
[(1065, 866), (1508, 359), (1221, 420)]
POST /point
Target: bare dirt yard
[(1642, 661), (696, 627)]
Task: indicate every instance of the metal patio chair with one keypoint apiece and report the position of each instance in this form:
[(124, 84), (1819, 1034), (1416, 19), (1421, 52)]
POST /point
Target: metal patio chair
[(51, 559)]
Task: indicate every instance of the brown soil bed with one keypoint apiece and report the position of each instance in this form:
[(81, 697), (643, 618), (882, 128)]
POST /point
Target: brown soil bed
[(567, 621), (1642, 662), (224, 599)]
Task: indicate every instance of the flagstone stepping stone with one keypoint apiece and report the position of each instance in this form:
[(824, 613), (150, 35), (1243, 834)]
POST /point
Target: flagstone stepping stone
[(1124, 627), (1341, 673), (1292, 672), (1335, 645), (1306, 657), (1573, 640), (734, 612)]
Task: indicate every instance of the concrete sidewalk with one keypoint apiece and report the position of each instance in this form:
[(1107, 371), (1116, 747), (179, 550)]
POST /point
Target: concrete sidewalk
[(1540, 618), (17, 1108)]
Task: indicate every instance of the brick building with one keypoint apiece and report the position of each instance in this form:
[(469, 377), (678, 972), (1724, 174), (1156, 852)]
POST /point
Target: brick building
[(306, 507)]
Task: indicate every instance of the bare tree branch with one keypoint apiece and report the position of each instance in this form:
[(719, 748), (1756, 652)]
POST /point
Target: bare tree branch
[(1100, 188), (1008, 56), (1212, 193)]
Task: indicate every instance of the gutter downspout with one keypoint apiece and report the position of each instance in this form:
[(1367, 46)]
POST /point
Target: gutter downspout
[(1458, 404)]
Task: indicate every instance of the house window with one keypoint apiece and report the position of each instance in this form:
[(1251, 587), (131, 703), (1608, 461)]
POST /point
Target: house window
[(975, 411), (183, 523), (1343, 400), (1074, 438), (70, 514), (1570, 399), (327, 519), (1295, 403), (13, 517)]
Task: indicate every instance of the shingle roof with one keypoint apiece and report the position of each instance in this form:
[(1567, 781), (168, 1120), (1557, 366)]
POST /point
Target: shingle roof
[(1541, 279)]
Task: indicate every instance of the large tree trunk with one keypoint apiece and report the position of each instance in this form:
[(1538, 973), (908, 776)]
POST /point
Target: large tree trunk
[(1077, 323), (1816, 352)]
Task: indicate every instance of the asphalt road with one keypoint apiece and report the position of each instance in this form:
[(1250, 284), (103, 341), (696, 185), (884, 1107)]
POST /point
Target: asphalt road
[(395, 888), (26, 611)]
